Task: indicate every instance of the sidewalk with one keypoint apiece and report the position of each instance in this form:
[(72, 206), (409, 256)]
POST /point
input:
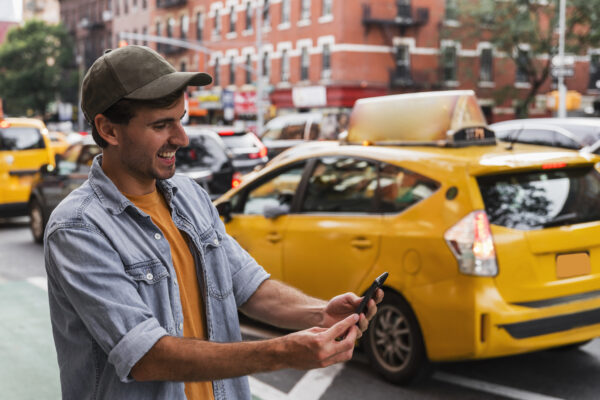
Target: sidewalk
[(28, 367)]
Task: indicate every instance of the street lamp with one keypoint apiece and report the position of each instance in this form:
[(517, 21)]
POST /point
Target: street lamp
[(562, 89)]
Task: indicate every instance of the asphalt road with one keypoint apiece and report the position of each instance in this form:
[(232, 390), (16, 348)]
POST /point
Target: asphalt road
[(28, 368)]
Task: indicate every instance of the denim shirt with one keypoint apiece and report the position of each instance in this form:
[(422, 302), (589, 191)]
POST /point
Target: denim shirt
[(114, 293)]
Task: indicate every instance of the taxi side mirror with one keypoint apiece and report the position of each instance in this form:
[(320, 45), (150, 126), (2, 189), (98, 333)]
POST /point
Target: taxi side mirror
[(224, 210), (274, 211)]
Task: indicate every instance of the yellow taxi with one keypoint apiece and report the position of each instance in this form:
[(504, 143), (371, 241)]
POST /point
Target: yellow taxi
[(492, 248), (24, 148)]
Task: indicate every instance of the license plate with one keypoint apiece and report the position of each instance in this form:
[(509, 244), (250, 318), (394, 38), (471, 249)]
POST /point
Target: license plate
[(573, 264)]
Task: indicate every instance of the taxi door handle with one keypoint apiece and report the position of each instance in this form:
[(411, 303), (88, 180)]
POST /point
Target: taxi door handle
[(361, 243), (273, 237)]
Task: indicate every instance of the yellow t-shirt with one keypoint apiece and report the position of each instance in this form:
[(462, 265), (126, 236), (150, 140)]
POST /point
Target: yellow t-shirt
[(194, 322)]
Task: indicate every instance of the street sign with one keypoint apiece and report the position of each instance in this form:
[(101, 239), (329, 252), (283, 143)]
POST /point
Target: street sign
[(565, 72)]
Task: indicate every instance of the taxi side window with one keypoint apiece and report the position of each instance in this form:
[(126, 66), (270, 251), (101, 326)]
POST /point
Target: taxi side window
[(400, 188), (21, 138), (341, 185), (293, 131), (277, 191)]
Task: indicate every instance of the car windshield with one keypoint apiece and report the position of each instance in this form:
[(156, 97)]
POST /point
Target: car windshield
[(239, 141), (20, 138), (584, 134), (541, 199)]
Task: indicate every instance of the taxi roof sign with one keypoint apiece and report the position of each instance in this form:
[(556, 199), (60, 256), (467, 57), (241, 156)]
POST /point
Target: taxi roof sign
[(444, 118)]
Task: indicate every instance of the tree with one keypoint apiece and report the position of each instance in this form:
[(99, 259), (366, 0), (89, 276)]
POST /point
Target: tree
[(36, 66), (526, 32)]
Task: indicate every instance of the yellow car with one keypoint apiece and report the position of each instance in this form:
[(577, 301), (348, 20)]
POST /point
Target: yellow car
[(24, 148), (492, 248)]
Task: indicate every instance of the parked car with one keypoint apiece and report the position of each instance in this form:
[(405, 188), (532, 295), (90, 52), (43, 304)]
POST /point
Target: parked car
[(490, 251), (208, 161), (247, 149), (55, 183), (570, 133), (24, 148), (285, 131)]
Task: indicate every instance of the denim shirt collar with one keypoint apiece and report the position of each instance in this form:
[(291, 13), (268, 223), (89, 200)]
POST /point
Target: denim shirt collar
[(112, 198)]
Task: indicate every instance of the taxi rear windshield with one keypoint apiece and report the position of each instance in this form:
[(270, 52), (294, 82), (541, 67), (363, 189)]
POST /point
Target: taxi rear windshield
[(20, 138), (542, 199)]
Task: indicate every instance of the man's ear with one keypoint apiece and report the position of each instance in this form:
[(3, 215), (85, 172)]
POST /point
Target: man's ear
[(106, 129)]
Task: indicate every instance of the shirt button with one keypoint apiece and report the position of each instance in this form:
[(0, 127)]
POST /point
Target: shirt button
[(175, 282), (157, 236), (181, 326), (149, 276), (216, 241)]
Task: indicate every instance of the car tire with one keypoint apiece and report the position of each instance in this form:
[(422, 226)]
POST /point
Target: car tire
[(37, 221), (394, 343)]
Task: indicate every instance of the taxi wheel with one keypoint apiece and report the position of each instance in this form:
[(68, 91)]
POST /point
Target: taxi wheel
[(36, 221), (394, 343)]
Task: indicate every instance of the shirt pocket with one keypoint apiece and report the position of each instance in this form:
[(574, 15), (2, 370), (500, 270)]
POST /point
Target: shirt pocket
[(216, 264), (148, 272)]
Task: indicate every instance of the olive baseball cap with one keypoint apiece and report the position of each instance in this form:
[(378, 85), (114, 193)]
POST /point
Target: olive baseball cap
[(132, 72)]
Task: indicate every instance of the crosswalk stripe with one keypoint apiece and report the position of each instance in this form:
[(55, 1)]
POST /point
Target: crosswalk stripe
[(39, 281)]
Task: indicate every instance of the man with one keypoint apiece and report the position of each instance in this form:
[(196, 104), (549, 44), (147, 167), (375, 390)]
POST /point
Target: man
[(144, 283)]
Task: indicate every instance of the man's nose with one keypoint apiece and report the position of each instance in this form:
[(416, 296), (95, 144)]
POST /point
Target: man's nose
[(179, 137)]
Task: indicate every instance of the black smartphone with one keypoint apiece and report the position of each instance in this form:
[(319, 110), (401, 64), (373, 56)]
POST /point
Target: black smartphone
[(377, 283)]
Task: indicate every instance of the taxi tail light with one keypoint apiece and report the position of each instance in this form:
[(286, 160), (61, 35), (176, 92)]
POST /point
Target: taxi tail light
[(470, 240), (236, 179)]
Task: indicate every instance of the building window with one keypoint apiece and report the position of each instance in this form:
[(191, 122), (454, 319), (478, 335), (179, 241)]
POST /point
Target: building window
[(285, 66), (135, 31), (266, 66), (326, 67), (217, 73), (486, 63), (327, 6), (248, 17), (144, 4), (285, 11), (125, 7), (404, 9), (232, 70), (117, 7), (217, 30), (158, 33), (170, 26), (145, 33), (304, 64), (267, 13), (402, 71), (449, 63), (199, 26), (185, 24), (182, 67), (248, 68), (594, 72), (232, 19), (522, 61), (304, 9), (451, 10)]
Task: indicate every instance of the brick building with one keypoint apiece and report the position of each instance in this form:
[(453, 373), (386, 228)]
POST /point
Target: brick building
[(318, 53)]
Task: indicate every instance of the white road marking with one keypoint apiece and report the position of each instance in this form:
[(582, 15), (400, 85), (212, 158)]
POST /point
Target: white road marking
[(493, 388), (264, 391), (314, 383), (39, 281)]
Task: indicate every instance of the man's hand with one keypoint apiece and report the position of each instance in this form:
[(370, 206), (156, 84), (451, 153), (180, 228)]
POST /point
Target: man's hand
[(346, 304), (321, 347)]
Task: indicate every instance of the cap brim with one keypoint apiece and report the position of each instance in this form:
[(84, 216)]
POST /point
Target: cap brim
[(168, 84)]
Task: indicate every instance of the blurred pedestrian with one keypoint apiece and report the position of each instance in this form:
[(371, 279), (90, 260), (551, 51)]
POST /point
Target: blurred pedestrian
[(144, 282)]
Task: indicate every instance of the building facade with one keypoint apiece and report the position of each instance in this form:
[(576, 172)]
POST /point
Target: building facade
[(321, 54)]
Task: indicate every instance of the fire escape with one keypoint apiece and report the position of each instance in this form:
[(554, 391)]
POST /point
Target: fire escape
[(380, 15)]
